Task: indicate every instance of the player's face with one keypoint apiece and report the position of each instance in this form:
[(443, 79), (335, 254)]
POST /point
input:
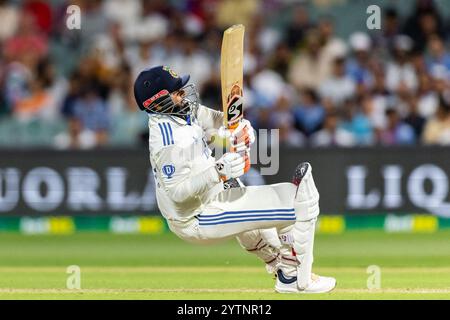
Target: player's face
[(177, 96), (181, 102)]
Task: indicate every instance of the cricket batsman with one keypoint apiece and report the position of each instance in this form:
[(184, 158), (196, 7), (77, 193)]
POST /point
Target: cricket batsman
[(202, 198)]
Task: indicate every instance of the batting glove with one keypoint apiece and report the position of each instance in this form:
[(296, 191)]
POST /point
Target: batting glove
[(243, 136), (240, 138), (231, 165)]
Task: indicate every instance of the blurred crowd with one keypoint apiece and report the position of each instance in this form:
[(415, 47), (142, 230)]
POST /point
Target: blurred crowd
[(375, 87)]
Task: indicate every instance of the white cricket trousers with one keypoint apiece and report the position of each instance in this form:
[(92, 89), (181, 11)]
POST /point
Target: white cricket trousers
[(237, 210)]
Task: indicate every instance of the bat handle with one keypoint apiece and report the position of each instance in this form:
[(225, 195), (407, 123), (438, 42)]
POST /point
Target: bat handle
[(246, 156), (247, 161)]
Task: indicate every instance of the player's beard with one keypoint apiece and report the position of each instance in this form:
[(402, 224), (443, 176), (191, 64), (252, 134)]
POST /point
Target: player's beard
[(188, 105), (186, 110), (183, 108)]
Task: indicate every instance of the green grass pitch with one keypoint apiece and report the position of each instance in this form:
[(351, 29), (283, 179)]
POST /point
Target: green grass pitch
[(413, 266)]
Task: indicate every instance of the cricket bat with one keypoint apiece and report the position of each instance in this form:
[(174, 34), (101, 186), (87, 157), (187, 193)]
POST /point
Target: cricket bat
[(232, 79)]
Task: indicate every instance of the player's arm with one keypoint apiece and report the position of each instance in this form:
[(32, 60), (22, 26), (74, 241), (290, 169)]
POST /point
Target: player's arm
[(174, 165), (182, 183), (210, 120)]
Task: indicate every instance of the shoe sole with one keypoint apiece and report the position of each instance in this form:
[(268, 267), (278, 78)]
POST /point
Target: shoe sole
[(303, 292), (286, 290)]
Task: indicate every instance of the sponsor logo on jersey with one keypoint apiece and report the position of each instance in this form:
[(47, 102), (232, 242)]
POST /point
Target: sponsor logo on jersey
[(168, 170)]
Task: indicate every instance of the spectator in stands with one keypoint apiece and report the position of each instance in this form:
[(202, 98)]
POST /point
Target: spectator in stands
[(381, 98), (95, 21), (109, 48), (414, 118), (90, 112), (332, 46), (359, 123), (339, 86), (297, 27), (229, 14), (280, 59), (69, 139), (125, 12), (308, 61), (35, 104), (437, 54), (140, 57), (283, 120), (332, 134), (267, 87), (42, 14), (193, 61), (22, 53), (400, 72), (73, 93), (45, 97), (423, 23), (17, 80), (212, 92), (441, 80), (27, 41), (309, 114), (437, 130), (120, 98), (316, 60), (391, 29), (266, 37), (427, 98), (397, 132), (91, 70), (9, 19), (358, 66)]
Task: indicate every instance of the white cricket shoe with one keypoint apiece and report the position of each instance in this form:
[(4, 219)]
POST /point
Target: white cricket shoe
[(318, 284)]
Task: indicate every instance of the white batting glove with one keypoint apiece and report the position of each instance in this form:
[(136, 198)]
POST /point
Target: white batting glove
[(243, 136), (240, 138), (231, 165)]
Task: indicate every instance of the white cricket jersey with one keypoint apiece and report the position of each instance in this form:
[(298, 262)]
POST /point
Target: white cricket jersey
[(182, 164)]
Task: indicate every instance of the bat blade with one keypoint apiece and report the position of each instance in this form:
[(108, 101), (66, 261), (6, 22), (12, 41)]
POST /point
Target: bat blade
[(232, 73), (232, 80)]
